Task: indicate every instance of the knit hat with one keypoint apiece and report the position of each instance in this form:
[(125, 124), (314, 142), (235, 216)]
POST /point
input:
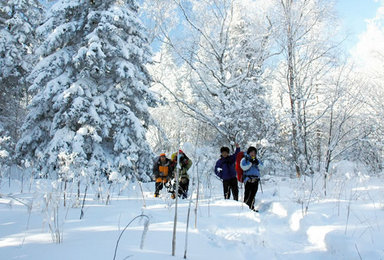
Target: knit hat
[(162, 154), (250, 149), (224, 149)]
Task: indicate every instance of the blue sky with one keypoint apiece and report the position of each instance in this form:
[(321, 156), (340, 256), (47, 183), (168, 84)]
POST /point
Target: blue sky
[(353, 14)]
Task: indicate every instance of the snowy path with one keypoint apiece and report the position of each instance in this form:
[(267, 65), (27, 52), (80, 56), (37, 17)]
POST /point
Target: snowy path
[(225, 229)]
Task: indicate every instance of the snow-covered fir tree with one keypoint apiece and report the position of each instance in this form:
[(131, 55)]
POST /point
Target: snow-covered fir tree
[(92, 92), (246, 91), (18, 21), (6, 150)]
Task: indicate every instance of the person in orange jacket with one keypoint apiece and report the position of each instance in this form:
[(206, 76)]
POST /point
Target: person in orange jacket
[(162, 170)]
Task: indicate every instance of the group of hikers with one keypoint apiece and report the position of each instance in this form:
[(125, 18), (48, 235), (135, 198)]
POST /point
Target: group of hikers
[(230, 168), (164, 172)]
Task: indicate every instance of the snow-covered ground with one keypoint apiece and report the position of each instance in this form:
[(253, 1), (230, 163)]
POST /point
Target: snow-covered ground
[(348, 223)]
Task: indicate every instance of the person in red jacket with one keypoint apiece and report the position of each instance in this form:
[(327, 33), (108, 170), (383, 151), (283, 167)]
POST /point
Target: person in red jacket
[(225, 170)]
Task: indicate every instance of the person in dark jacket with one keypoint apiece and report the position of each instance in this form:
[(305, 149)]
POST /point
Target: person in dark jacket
[(162, 170), (251, 175), (225, 170)]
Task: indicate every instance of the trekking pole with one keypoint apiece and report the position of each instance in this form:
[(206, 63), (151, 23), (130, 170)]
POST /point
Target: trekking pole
[(261, 186), (217, 177)]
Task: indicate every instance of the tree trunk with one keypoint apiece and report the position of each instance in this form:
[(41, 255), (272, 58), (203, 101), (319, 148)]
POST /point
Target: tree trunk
[(292, 93), (197, 192), (186, 230), (176, 202), (82, 206), (65, 193)]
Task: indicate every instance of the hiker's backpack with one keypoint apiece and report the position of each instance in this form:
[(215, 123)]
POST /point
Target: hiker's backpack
[(239, 171)]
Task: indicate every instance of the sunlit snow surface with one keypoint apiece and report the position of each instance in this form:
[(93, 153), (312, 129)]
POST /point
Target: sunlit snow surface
[(348, 223)]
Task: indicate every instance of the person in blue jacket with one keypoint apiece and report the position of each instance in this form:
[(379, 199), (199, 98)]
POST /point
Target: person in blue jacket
[(251, 176), (225, 170)]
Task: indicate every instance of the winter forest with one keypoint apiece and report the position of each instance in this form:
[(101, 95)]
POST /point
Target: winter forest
[(92, 92)]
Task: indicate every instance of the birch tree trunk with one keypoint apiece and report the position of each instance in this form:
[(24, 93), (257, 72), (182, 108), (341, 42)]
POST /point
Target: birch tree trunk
[(309, 55), (176, 203)]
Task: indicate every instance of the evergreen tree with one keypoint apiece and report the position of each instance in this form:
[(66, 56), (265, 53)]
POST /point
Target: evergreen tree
[(6, 151), (18, 21), (92, 91), (246, 87)]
